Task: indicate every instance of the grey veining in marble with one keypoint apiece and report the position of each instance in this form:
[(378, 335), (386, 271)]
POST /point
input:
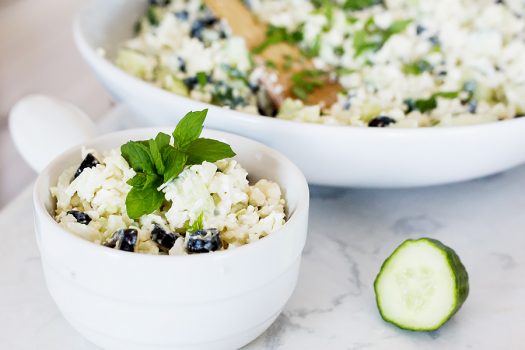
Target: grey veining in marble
[(351, 233)]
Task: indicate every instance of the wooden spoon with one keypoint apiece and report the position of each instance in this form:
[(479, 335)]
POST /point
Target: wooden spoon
[(287, 58)]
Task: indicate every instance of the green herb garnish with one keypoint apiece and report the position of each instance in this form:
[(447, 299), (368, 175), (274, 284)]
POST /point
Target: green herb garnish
[(196, 225), (417, 67), (425, 105), (306, 81), (355, 5), (151, 15), (202, 79), (157, 162), (270, 64), (313, 51), (348, 4), (372, 38), (275, 35)]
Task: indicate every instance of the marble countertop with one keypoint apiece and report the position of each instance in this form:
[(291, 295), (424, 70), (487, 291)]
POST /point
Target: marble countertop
[(351, 232)]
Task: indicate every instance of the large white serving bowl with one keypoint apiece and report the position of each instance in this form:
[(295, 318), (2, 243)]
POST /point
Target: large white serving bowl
[(220, 300), (328, 155)]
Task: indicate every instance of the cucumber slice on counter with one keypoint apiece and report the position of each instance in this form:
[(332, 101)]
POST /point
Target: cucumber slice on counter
[(421, 285)]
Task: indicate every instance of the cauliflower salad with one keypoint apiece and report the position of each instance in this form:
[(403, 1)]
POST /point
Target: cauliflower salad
[(206, 205), (400, 63)]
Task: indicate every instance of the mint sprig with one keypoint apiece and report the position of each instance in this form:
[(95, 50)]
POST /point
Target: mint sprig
[(157, 161)]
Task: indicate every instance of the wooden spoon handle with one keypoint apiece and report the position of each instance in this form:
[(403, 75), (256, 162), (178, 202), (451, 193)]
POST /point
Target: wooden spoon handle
[(242, 22), (285, 57)]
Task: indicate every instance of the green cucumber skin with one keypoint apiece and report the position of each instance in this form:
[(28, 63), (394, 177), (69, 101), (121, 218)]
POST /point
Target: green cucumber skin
[(461, 279)]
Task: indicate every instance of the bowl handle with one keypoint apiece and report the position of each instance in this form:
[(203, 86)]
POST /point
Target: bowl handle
[(42, 127)]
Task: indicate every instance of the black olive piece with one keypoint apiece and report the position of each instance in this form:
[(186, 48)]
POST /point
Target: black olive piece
[(82, 218), (470, 86), (265, 104), (89, 162), (164, 239), (434, 40), (191, 82), (411, 105), (420, 29), (182, 15), (128, 240), (204, 241), (381, 122), (123, 239), (472, 106), (198, 26), (253, 87), (112, 242), (182, 64), (161, 3)]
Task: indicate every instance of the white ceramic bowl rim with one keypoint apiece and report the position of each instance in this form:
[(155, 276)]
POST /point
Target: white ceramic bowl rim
[(302, 203), (90, 54)]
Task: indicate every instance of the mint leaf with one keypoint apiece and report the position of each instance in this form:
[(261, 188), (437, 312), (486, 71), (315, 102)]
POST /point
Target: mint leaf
[(156, 162), (208, 150), (175, 162), (156, 156), (189, 128), (139, 180), (142, 180), (142, 201), (162, 140), (138, 157)]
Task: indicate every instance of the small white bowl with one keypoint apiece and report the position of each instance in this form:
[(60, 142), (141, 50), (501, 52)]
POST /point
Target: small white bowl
[(328, 155), (220, 300)]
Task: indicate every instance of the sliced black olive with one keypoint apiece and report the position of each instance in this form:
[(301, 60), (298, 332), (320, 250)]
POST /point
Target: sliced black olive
[(420, 29), (89, 162), (182, 15), (472, 106), (265, 104), (411, 105), (191, 82), (82, 218), (381, 122), (159, 2), (434, 40), (164, 239), (470, 86), (204, 241), (198, 26), (124, 239), (129, 240), (182, 64)]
